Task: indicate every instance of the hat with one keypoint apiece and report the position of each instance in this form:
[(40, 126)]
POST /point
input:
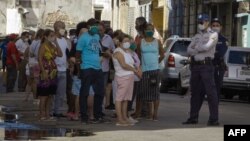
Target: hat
[(216, 20), (203, 17), (12, 36)]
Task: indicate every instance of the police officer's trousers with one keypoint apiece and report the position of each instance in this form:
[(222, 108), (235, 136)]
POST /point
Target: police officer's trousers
[(202, 77)]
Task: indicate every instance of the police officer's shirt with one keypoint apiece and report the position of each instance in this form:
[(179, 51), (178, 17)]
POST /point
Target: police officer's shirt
[(221, 47), (203, 45)]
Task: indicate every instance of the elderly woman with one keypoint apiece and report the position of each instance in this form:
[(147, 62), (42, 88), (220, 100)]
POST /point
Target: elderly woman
[(124, 76), (47, 85)]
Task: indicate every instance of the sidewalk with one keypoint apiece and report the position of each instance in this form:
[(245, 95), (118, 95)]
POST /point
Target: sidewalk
[(167, 128)]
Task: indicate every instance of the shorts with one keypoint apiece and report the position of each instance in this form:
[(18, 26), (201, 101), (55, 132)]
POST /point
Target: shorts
[(76, 86)]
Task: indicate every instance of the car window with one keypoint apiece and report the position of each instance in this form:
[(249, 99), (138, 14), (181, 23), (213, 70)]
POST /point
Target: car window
[(180, 47), (239, 57)]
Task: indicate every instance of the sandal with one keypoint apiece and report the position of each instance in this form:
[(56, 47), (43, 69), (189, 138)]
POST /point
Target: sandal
[(42, 119), (50, 119), (121, 124)]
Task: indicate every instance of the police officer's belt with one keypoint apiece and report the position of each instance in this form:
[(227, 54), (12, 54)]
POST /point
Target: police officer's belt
[(206, 61)]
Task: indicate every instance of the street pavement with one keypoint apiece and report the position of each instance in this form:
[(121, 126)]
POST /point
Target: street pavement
[(172, 112)]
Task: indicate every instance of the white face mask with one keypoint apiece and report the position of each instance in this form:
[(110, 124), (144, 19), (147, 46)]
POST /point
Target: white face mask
[(26, 39), (62, 32), (216, 29), (201, 26), (126, 45)]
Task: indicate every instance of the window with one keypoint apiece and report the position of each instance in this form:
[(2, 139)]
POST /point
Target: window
[(180, 47), (98, 14), (239, 57)]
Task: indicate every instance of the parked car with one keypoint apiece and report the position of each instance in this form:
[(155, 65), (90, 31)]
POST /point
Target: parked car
[(237, 76), (175, 50)]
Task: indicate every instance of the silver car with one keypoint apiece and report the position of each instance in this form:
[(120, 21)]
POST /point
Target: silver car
[(175, 51), (237, 76)]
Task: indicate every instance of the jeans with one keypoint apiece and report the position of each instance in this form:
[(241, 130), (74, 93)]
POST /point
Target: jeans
[(94, 78), (11, 78), (22, 78), (60, 92)]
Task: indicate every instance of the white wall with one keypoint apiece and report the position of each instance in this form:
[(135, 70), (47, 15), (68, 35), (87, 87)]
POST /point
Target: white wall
[(107, 9)]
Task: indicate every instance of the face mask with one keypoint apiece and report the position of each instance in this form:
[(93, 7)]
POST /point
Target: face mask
[(201, 26), (93, 30), (126, 45), (52, 39), (133, 46), (26, 39), (216, 29), (62, 32), (149, 33)]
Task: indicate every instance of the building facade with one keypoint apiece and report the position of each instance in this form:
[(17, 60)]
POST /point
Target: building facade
[(233, 14)]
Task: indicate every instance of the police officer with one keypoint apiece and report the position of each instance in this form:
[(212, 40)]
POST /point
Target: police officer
[(221, 49), (202, 50)]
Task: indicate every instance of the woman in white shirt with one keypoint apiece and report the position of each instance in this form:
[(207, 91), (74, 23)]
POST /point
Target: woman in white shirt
[(124, 77)]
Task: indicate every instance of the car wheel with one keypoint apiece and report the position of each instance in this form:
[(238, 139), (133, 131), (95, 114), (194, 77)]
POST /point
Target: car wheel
[(180, 89), (163, 87), (228, 94)]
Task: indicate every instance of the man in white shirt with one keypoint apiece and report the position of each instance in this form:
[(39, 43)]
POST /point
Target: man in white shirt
[(62, 65), (21, 45), (108, 47)]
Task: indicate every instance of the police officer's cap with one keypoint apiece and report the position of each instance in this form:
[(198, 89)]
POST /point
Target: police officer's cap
[(203, 17), (216, 20)]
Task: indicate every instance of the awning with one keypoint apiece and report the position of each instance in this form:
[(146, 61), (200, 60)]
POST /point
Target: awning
[(141, 2), (241, 15), (98, 6)]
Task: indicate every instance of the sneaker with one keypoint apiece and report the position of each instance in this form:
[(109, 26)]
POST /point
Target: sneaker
[(84, 122), (103, 120), (94, 121), (131, 120)]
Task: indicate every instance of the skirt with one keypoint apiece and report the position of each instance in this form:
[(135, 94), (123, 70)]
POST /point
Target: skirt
[(125, 86), (149, 92)]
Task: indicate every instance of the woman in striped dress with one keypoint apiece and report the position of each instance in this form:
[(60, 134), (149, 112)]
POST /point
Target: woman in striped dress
[(151, 54)]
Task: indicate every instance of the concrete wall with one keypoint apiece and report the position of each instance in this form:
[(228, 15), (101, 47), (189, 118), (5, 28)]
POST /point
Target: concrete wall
[(72, 10), (3, 16), (107, 9)]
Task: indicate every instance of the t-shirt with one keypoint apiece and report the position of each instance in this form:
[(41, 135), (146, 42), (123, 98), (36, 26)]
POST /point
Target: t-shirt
[(34, 47), (107, 42), (11, 49), (90, 48), (61, 62), (21, 46)]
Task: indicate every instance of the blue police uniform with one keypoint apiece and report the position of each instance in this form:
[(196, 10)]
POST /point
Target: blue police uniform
[(219, 63), (202, 50)]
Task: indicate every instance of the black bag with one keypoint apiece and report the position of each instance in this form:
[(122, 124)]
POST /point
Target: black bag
[(153, 79)]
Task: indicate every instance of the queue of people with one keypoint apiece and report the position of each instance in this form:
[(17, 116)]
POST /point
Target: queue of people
[(92, 70), (96, 69)]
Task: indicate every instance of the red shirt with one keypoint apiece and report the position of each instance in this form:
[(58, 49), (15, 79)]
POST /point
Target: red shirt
[(11, 49)]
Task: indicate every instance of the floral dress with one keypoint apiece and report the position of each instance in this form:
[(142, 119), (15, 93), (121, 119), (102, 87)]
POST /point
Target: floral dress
[(48, 87)]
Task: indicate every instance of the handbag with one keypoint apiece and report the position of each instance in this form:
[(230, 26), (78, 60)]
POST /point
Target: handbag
[(153, 79)]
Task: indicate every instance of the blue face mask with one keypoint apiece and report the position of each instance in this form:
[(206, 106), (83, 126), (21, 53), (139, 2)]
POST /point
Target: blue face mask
[(93, 30), (133, 46), (149, 33)]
